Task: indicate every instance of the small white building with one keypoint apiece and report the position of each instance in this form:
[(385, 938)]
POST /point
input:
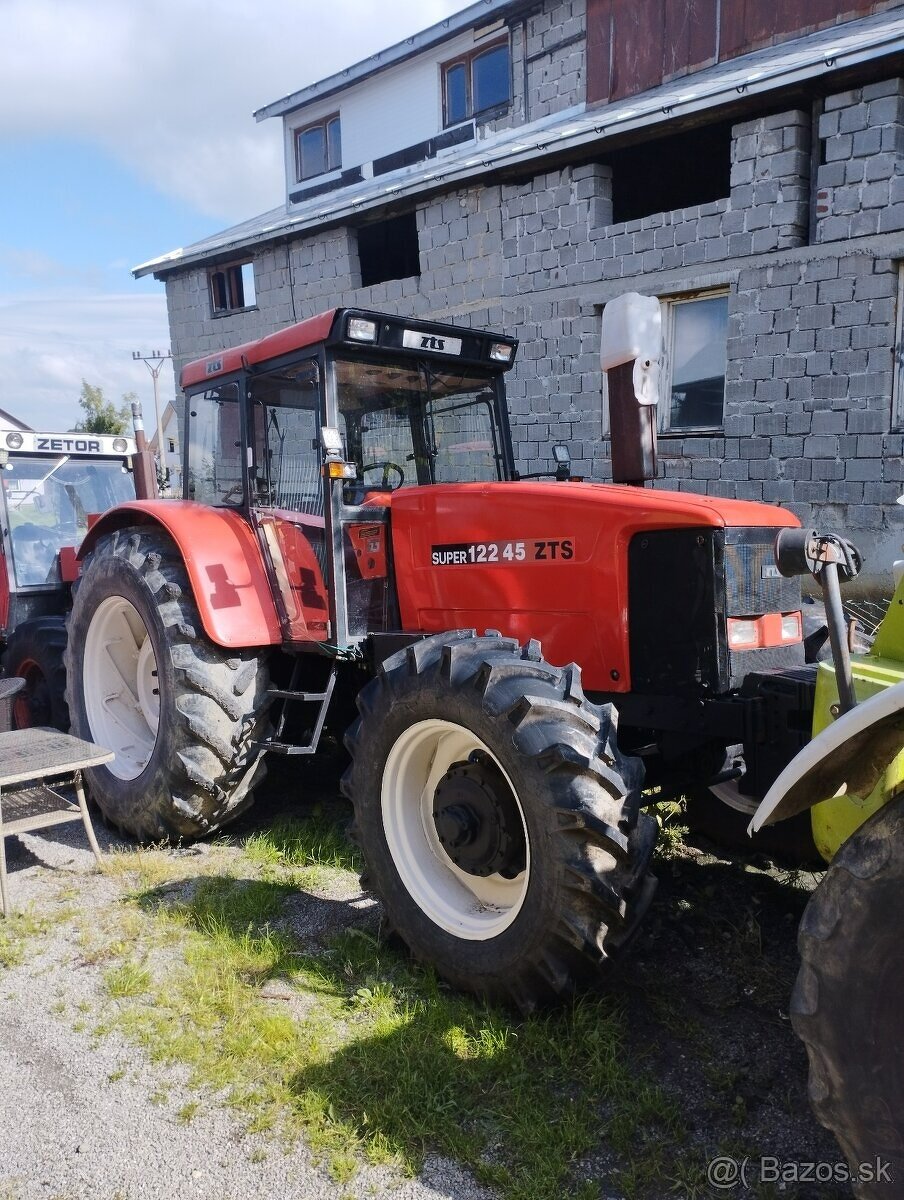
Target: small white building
[(169, 455), (9, 422)]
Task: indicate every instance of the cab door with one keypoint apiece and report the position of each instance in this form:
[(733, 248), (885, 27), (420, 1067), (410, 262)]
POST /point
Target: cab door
[(287, 495)]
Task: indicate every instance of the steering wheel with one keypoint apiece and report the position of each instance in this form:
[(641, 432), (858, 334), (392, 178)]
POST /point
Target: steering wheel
[(386, 466)]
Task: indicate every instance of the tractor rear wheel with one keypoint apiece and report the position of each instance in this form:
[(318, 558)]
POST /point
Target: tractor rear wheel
[(498, 820), (34, 652), (182, 714), (847, 1004)]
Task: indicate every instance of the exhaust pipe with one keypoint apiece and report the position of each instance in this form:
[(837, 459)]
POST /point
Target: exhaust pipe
[(144, 465)]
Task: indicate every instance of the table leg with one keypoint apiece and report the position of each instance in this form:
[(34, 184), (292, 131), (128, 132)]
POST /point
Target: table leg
[(86, 818), (4, 896)]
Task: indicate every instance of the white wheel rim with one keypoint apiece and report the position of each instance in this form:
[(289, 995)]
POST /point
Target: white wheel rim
[(472, 907), (122, 699)]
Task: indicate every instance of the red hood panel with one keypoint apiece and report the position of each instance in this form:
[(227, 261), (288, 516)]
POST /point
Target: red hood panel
[(542, 560)]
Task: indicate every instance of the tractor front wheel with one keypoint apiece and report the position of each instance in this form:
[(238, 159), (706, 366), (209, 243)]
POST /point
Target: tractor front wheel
[(34, 652), (498, 820), (182, 714), (847, 1003)]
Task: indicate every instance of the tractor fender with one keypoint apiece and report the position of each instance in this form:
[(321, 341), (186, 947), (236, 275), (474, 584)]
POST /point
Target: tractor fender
[(852, 754), (223, 560)]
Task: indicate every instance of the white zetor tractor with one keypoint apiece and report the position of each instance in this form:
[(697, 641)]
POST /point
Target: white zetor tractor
[(849, 998)]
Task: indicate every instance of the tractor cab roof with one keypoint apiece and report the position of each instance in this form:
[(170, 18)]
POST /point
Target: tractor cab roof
[(75, 444), (360, 329)]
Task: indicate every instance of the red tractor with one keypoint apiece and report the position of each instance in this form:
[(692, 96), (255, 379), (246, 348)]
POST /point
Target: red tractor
[(50, 486), (353, 529)]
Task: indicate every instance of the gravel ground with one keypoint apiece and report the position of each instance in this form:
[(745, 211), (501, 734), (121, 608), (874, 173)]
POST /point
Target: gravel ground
[(93, 1118)]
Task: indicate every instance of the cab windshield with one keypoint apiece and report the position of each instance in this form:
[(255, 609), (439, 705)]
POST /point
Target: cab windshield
[(426, 422), (47, 502)]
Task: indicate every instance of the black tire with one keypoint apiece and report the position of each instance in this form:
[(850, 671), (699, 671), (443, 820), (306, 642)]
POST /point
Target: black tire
[(589, 847), (847, 1005), (35, 653), (205, 763)]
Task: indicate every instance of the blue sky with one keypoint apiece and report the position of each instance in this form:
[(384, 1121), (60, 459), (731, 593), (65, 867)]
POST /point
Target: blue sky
[(126, 131)]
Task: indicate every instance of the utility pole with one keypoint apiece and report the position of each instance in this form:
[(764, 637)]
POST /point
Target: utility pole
[(154, 363)]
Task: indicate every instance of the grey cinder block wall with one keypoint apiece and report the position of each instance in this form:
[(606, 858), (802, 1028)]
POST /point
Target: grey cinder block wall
[(806, 244)]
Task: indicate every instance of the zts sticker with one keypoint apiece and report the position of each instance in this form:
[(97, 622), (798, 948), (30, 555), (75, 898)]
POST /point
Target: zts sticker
[(464, 554)]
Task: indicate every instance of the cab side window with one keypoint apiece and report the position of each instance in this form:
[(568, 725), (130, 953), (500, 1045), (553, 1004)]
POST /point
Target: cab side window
[(215, 446)]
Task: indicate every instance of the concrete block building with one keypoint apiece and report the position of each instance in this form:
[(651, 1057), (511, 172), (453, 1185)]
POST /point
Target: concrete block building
[(521, 163)]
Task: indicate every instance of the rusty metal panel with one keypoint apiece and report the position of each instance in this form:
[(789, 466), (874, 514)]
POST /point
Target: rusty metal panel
[(690, 35), (599, 18), (637, 46), (747, 24)]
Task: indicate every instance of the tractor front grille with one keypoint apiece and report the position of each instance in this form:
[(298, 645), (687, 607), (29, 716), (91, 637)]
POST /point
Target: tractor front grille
[(752, 584), (683, 584)]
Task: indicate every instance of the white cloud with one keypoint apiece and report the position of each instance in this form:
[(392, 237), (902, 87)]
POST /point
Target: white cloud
[(49, 343), (168, 86)]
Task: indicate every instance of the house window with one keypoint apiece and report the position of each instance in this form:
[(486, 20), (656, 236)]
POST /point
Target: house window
[(692, 387), (476, 82), (318, 148), (231, 287), (388, 250)]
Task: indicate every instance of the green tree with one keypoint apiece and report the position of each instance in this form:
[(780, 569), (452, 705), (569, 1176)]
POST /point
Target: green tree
[(101, 415)]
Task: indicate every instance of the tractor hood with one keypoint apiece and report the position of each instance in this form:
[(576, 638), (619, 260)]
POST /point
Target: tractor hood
[(544, 560)]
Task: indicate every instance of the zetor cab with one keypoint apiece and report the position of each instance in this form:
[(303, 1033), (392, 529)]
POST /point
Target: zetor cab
[(51, 486)]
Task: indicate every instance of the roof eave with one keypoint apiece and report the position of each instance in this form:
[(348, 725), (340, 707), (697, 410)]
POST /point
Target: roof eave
[(484, 12)]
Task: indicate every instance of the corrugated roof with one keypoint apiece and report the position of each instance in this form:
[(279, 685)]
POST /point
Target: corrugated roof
[(760, 72)]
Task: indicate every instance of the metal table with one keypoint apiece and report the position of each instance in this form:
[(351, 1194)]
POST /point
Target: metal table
[(28, 758)]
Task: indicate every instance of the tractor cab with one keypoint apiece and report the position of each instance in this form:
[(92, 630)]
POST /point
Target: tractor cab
[(50, 486), (311, 431)]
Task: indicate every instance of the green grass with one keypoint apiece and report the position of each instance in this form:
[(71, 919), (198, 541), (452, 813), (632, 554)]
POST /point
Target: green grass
[(381, 1062), (303, 851), (15, 932), (127, 979)]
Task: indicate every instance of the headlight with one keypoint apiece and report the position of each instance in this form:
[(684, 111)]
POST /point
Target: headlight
[(501, 352), (360, 330), (791, 627), (742, 634), (120, 445), (14, 440)]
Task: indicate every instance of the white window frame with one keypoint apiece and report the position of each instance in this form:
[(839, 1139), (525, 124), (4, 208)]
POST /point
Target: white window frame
[(323, 124), (668, 305)]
